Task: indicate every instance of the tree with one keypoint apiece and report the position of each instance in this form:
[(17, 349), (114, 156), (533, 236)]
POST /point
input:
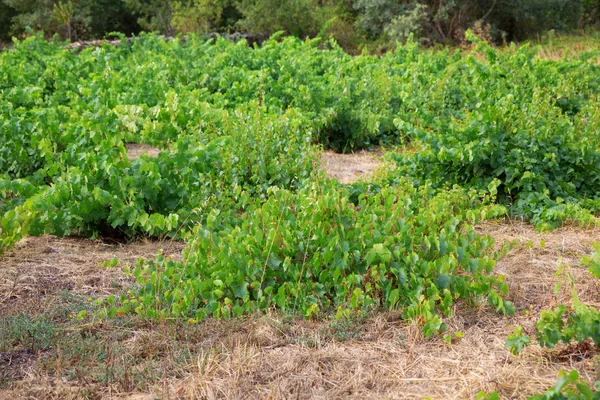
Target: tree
[(196, 16), (36, 14), (63, 14), (375, 15), (295, 17), (153, 15), (7, 13), (111, 16), (407, 23), (524, 18), (50, 15)]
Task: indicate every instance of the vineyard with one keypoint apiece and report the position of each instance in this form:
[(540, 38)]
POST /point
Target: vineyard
[(234, 182)]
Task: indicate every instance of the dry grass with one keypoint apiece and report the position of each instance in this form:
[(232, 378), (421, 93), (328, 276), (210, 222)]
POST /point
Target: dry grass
[(41, 267), (531, 266), (136, 150), (348, 168), (556, 47), (274, 356), (390, 360), (562, 53)]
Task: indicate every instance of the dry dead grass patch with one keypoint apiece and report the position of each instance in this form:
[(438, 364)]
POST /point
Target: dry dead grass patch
[(41, 267), (531, 266), (399, 364), (560, 52), (274, 356), (136, 150), (348, 168)]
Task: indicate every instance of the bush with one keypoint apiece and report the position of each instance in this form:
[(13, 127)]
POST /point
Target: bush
[(295, 17), (408, 23), (197, 16), (478, 129), (375, 15), (315, 250)]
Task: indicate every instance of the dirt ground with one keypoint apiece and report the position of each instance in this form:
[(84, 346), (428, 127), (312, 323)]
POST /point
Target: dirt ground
[(348, 168), (276, 356)]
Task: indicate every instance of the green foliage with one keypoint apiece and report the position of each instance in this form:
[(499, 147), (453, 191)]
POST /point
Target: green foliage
[(295, 17), (354, 23), (487, 396), (516, 341), (523, 18), (593, 261), (7, 13), (71, 18), (111, 16), (570, 386), (183, 16), (374, 16), (36, 14), (446, 20), (315, 250), (153, 15), (74, 19), (197, 16), (579, 323), (566, 324), (591, 13), (407, 23), (63, 13), (236, 174), (500, 123)]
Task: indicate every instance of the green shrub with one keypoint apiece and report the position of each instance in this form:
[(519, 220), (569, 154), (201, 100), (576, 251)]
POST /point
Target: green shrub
[(315, 250), (514, 122)]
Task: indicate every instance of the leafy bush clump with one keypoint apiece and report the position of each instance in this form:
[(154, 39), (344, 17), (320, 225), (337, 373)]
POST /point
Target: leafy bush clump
[(314, 250), (565, 325), (498, 122), (96, 189)]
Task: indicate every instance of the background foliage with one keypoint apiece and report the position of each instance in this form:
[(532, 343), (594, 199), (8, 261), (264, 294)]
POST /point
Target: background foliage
[(353, 23)]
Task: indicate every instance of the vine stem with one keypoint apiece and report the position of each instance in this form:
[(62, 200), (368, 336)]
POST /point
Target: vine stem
[(302, 269), (262, 278)]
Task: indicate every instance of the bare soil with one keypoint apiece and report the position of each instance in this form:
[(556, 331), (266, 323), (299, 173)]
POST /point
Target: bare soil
[(277, 356)]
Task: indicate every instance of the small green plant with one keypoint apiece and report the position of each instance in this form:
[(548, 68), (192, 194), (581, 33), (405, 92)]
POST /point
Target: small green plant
[(448, 338), (565, 324), (516, 341), (565, 279), (25, 332), (593, 261), (343, 329), (569, 386), (487, 396)]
